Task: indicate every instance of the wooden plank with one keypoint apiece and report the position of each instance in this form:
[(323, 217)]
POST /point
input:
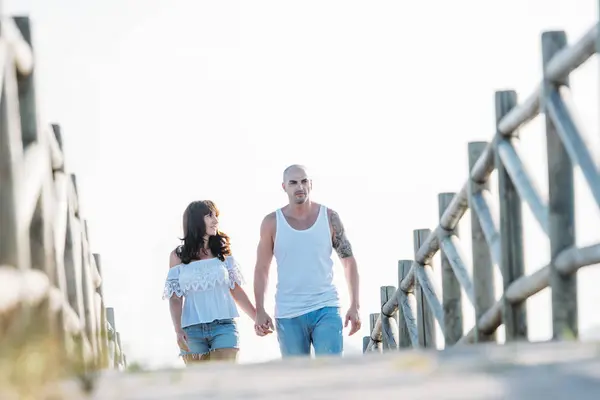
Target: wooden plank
[(54, 140), (23, 53), (517, 371), (521, 114), (567, 126), (482, 207), (566, 59), (451, 291), (73, 270), (562, 64), (526, 188), (511, 263), (483, 276), (561, 205), (36, 168), (450, 244), (567, 262), (61, 216)]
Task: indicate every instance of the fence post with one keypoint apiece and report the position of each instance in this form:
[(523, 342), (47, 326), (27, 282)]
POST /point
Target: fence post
[(376, 340), (26, 84), (561, 205), (366, 340), (389, 327), (425, 319), (483, 273), (40, 232), (452, 296), (87, 293), (102, 331), (110, 317), (512, 264), (407, 325)]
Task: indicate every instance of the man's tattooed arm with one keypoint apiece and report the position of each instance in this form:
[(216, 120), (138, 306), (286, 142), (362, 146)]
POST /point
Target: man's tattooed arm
[(341, 244)]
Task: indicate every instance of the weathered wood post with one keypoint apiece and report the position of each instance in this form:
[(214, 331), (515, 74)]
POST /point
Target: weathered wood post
[(61, 219), (366, 340), (512, 264), (26, 87), (561, 204), (452, 296), (375, 338), (425, 318), (389, 326), (40, 222), (483, 274), (407, 324), (112, 344), (102, 331), (120, 354), (14, 246), (73, 275), (88, 292)]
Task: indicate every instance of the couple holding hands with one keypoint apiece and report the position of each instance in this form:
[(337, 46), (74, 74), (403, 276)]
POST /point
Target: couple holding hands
[(204, 282)]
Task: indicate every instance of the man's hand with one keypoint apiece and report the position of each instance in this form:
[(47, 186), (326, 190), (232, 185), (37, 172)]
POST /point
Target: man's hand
[(353, 317), (263, 325), (182, 340)]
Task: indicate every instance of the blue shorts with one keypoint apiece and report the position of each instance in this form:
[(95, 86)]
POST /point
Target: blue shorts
[(205, 337), (322, 328)]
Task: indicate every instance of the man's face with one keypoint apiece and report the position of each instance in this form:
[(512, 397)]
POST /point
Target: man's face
[(297, 185)]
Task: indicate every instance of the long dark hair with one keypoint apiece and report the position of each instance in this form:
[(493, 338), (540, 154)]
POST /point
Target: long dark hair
[(194, 230)]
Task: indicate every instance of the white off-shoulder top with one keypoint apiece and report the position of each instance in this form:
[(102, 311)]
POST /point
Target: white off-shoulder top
[(205, 287)]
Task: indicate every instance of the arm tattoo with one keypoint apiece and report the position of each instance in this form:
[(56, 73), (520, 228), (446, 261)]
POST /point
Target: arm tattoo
[(341, 244)]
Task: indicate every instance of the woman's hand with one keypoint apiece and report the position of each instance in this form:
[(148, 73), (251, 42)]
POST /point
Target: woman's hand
[(182, 340)]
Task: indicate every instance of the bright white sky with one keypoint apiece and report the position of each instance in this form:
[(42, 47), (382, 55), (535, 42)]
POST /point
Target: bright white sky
[(164, 102)]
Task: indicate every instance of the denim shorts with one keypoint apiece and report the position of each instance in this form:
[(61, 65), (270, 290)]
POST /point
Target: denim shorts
[(322, 328), (204, 337)]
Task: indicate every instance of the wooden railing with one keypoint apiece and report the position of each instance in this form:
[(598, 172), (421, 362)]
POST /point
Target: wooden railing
[(51, 298), (497, 236)]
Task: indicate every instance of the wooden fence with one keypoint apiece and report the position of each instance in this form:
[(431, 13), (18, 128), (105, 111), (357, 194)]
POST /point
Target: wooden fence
[(497, 236), (50, 281)]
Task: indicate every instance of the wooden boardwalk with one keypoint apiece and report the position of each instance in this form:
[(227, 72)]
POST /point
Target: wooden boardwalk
[(516, 371)]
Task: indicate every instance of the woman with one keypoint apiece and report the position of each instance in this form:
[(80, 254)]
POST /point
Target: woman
[(204, 273)]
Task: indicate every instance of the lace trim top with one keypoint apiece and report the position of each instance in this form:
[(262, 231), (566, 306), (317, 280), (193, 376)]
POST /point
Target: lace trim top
[(205, 286)]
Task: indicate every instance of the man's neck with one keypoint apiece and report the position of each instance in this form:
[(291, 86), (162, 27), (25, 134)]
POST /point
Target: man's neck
[(300, 210)]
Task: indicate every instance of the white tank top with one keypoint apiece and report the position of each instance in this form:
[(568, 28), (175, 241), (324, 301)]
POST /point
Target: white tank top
[(304, 267)]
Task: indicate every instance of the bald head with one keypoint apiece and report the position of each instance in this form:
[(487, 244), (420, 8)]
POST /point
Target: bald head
[(294, 169), (296, 183)]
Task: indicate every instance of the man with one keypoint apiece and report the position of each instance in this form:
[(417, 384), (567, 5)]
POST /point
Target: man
[(301, 236)]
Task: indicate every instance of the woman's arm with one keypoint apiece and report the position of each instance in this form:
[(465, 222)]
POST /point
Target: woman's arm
[(241, 298), (176, 307)]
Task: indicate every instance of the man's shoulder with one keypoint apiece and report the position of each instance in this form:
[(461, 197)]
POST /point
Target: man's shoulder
[(331, 213), (270, 217), (269, 221)]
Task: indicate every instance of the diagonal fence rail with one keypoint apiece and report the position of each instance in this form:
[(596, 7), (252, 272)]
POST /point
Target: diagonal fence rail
[(408, 313), (51, 295)]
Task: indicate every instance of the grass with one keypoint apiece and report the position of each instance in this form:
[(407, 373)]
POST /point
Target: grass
[(35, 359)]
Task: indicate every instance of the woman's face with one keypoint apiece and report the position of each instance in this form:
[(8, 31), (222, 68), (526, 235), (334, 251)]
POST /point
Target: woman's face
[(211, 221)]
